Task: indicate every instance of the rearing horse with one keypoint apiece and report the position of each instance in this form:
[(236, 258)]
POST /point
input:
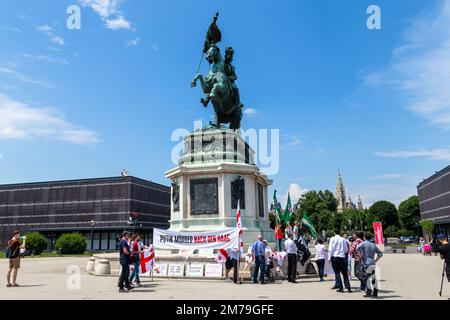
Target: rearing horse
[(219, 90)]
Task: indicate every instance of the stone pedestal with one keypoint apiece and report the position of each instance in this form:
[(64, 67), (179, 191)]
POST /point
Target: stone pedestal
[(217, 168)]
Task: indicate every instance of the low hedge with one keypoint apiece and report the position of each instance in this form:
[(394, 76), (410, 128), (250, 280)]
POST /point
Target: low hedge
[(71, 243)]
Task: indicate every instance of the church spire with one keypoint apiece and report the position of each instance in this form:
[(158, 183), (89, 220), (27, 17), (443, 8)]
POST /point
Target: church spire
[(360, 204), (340, 194)]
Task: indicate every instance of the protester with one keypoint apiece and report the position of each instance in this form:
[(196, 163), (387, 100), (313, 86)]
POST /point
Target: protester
[(268, 254), (444, 250), (291, 250), (136, 248), (295, 231), (367, 251), (337, 251), (421, 244), (258, 255), (13, 253), (352, 254), (125, 260), (287, 230), (321, 253), (278, 235), (434, 245)]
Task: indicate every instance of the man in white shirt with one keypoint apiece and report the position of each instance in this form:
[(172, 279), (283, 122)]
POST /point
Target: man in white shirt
[(295, 231), (291, 250), (337, 252)]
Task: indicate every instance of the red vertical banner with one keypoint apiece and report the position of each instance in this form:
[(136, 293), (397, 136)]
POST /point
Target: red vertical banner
[(378, 232)]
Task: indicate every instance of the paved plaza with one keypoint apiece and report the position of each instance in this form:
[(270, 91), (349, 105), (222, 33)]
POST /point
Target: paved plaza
[(404, 276)]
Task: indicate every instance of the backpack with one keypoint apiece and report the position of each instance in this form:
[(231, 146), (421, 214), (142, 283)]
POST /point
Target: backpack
[(9, 253)]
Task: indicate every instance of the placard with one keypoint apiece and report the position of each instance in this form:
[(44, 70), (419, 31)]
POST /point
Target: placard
[(195, 270), (160, 270), (213, 270), (176, 270)]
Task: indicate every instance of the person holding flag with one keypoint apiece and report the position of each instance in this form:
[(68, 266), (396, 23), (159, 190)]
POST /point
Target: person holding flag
[(232, 257)]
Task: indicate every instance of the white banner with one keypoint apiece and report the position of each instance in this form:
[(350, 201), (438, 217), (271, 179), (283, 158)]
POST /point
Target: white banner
[(216, 239)]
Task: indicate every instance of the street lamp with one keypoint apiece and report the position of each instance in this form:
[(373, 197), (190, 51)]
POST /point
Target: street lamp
[(92, 222)]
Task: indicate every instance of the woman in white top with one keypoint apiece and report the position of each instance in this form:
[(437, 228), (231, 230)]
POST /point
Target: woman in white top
[(267, 252), (321, 255)]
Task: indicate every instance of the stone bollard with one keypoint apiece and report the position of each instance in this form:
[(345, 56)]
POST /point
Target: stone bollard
[(90, 265), (102, 267)]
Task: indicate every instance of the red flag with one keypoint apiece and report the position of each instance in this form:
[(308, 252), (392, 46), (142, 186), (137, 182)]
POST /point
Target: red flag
[(239, 227), (222, 256), (147, 260)]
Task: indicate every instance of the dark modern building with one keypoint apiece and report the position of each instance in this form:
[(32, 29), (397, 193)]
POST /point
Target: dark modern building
[(103, 207), (434, 198)]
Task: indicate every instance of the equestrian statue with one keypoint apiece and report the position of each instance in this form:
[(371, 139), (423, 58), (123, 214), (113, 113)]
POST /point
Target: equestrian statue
[(219, 85)]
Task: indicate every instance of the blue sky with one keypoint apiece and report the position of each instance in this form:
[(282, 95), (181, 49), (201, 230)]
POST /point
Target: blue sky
[(372, 104)]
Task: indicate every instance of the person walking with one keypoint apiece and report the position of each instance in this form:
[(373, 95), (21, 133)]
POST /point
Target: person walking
[(321, 254), (367, 251), (258, 255), (136, 248), (421, 244), (337, 251), (13, 253), (278, 235), (124, 252), (352, 254), (291, 250)]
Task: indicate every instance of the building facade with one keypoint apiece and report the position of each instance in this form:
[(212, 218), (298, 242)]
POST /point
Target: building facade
[(103, 207), (434, 200)]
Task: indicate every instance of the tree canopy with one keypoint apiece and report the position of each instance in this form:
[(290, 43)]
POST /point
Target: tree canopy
[(385, 212), (409, 213)]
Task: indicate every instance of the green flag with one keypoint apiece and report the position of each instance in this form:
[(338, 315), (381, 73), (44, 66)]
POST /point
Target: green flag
[(288, 210), (276, 206), (308, 224)]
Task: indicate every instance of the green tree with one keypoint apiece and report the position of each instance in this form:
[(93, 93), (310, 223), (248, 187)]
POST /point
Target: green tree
[(385, 212), (36, 242), (319, 206), (427, 226), (409, 213)]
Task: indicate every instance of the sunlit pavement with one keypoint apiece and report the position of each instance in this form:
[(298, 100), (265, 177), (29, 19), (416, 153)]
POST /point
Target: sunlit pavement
[(403, 276)]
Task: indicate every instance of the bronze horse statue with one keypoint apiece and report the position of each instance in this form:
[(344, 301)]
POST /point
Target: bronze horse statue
[(219, 84)]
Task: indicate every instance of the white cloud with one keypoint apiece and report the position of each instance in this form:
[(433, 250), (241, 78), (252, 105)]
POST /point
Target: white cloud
[(133, 43), (295, 191), (109, 13), (45, 58), (292, 141), (155, 46), (1, 155), (386, 176), (21, 121), (48, 31), (433, 154), (22, 77), (12, 29), (117, 23), (420, 67), (249, 112)]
